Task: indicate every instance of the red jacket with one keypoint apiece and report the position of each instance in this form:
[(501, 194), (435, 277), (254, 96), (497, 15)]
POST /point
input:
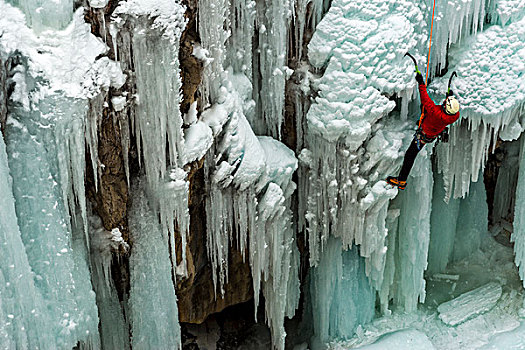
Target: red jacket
[(436, 120)]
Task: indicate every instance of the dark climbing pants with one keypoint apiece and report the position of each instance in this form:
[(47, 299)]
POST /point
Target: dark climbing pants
[(410, 157)]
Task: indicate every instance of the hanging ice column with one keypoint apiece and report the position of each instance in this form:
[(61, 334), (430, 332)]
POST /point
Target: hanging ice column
[(24, 319), (213, 19), (152, 300), (157, 121), (457, 226), (249, 178), (249, 189), (270, 71), (408, 242), (340, 295)]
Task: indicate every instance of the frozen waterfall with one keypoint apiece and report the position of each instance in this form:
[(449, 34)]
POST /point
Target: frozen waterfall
[(163, 162)]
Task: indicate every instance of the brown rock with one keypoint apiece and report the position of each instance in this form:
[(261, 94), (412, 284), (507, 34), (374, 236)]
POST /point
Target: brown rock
[(112, 196), (190, 67)]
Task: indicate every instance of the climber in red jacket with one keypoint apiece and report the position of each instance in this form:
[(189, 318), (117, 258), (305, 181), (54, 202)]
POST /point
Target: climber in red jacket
[(436, 118)]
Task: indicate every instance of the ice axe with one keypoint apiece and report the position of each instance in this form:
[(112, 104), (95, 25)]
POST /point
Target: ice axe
[(450, 80), (414, 60)]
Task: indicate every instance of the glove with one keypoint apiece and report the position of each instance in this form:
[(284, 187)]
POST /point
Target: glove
[(419, 79), (450, 93)]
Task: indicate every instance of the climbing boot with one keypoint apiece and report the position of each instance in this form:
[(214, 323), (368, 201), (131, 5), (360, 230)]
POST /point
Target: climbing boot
[(395, 182)]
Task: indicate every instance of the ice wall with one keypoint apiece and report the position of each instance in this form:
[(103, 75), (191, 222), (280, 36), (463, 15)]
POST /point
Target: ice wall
[(339, 275), (360, 48), (350, 145), (42, 14), (23, 314), (456, 226), (59, 265), (412, 236), (153, 312), (52, 77), (504, 201)]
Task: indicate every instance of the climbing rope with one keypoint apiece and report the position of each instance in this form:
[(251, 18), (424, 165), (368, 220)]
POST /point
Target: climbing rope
[(428, 59), (430, 40)]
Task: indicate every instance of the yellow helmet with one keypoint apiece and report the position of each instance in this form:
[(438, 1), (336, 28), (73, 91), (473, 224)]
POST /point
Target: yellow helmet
[(451, 105)]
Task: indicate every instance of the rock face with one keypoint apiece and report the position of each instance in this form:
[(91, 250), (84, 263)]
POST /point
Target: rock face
[(110, 200)]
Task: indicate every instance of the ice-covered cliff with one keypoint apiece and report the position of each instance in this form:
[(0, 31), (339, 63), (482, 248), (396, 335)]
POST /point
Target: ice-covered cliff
[(163, 160)]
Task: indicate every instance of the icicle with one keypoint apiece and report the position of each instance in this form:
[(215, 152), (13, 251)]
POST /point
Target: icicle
[(213, 17), (239, 46), (414, 235), (269, 81), (113, 31), (173, 208)]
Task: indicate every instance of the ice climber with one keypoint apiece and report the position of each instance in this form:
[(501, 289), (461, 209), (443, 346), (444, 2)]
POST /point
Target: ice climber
[(436, 118)]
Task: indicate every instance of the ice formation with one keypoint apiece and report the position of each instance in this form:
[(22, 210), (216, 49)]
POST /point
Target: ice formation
[(339, 274), (457, 226), (251, 178), (405, 339), (360, 48), (518, 236), (152, 294), (42, 15)]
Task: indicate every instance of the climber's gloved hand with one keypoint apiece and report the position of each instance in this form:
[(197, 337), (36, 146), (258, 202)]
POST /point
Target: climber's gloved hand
[(419, 79), (450, 93)]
